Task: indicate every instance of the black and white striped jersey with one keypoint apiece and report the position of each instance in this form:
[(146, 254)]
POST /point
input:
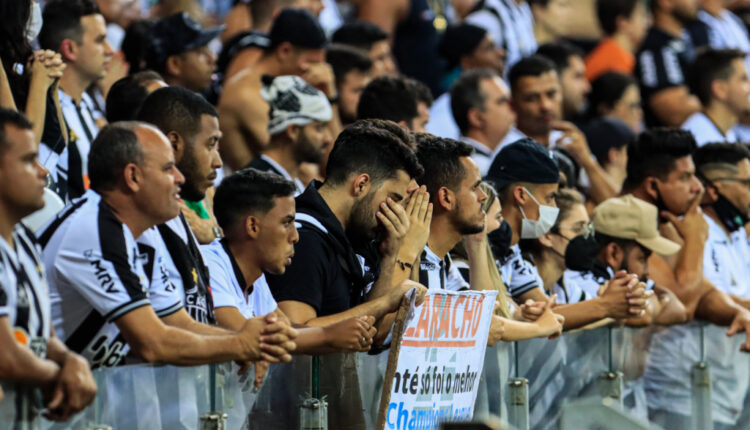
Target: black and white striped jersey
[(24, 297), (440, 273), (96, 275), (184, 273)]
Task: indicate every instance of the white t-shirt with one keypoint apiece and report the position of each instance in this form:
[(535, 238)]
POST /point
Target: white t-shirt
[(727, 31), (675, 349), (441, 121), (228, 284), (96, 275), (705, 131), (482, 155)]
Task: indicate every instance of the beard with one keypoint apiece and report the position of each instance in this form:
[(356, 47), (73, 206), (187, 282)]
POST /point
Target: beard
[(362, 227), (305, 151), (189, 168), (464, 226)]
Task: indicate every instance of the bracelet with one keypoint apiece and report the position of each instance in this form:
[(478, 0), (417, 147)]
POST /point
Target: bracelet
[(404, 265), (217, 232)]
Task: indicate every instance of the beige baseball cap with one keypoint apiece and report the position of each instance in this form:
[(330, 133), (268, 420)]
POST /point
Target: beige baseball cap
[(629, 217)]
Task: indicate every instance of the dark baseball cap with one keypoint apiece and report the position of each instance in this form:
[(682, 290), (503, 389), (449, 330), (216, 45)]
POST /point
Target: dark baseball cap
[(605, 133), (177, 34), (524, 160), (298, 27), (460, 40)]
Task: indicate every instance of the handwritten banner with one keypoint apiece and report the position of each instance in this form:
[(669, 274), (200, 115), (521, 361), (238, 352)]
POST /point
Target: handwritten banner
[(436, 359)]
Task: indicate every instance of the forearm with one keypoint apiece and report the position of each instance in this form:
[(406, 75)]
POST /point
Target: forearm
[(313, 341), (19, 364), (384, 326), (689, 268), (602, 185), (519, 330), (376, 308), (386, 279), (582, 313), (181, 319), (6, 95), (184, 348), (670, 309), (717, 307), (57, 351), (479, 267), (36, 107), (741, 301)]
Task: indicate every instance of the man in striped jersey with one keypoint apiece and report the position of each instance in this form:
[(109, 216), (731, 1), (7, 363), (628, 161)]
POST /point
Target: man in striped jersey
[(76, 30), (102, 303), (30, 353)]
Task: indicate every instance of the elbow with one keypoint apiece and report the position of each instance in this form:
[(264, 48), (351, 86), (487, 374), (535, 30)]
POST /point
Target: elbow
[(148, 354)]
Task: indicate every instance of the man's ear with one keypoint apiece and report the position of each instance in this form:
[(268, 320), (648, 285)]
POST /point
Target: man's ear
[(252, 226), (284, 51), (68, 50), (546, 240), (520, 196), (613, 256), (361, 185), (293, 131), (132, 177), (173, 66), (720, 89), (712, 193), (651, 188), (178, 144), (446, 199), (475, 118)]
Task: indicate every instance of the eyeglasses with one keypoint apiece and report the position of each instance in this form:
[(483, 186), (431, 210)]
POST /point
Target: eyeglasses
[(585, 230)]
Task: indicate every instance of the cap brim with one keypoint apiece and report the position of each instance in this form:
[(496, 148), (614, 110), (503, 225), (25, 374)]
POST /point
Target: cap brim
[(660, 245), (206, 36)]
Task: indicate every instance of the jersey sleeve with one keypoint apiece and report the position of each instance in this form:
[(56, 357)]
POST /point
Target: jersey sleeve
[(163, 293), (523, 276), (220, 279), (101, 270), (306, 278)]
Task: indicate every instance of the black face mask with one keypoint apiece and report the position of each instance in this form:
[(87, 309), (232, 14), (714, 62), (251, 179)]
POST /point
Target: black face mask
[(499, 240), (581, 253), (732, 218)]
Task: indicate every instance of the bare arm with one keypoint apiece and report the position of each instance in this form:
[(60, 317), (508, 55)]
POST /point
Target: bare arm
[(672, 106), (669, 309), (243, 117), (154, 341), (18, 363), (344, 336), (46, 68), (6, 95), (181, 319), (385, 13), (75, 388)]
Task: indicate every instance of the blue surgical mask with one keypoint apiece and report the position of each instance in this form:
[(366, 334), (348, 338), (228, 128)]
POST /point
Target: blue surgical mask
[(534, 229)]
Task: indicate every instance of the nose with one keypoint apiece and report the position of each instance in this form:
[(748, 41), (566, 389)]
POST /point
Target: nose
[(179, 178), (216, 162), (108, 49), (42, 171), (295, 236), (482, 195)]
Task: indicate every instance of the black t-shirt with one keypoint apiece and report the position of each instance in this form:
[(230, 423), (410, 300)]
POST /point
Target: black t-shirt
[(415, 46), (325, 272), (662, 63)]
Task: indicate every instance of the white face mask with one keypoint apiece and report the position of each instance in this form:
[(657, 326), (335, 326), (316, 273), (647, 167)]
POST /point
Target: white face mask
[(531, 229), (34, 26)]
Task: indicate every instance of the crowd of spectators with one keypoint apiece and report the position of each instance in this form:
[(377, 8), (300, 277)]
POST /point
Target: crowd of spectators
[(193, 182)]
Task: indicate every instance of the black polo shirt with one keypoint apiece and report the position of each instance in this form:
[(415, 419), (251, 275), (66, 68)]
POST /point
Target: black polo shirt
[(325, 273)]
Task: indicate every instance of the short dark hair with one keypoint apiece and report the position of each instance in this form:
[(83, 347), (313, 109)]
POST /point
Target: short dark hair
[(62, 20), (466, 95), (654, 154), (607, 90), (343, 59), (711, 65), (14, 118), (127, 94), (609, 10), (712, 155), (388, 97), (175, 109), (560, 52), (533, 65), (136, 43), (115, 147), (366, 147), (440, 158), (360, 34), (421, 91), (248, 191)]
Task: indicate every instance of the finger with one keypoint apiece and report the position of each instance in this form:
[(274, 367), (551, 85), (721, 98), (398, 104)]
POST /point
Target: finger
[(428, 216), (274, 350), (413, 202), (369, 319), (423, 206), (57, 398), (289, 346), (391, 213), (696, 201), (386, 223), (371, 332)]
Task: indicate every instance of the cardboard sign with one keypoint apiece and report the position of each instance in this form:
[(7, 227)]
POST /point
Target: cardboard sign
[(436, 359)]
